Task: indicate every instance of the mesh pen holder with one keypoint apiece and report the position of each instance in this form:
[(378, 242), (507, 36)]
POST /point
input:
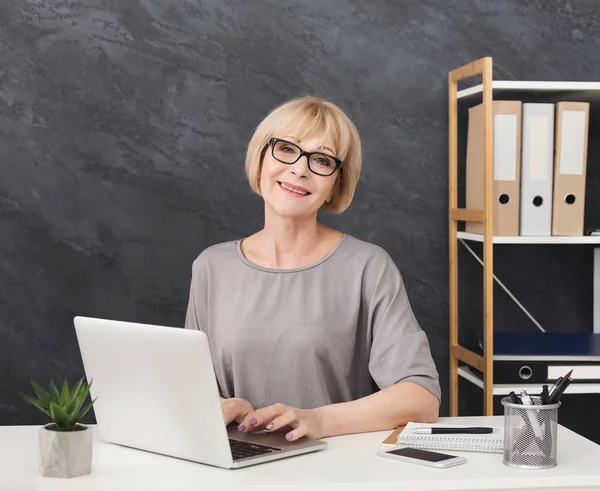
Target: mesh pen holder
[(530, 434)]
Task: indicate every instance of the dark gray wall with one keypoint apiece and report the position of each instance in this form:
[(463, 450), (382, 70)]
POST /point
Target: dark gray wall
[(123, 126)]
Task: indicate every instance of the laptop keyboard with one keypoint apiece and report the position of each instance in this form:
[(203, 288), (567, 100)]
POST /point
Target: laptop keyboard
[(242, 450)]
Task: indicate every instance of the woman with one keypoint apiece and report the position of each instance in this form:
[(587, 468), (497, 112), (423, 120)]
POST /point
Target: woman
[(304, 322)]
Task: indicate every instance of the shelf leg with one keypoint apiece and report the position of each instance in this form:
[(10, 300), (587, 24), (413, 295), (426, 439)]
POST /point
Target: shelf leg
[(597, 289)]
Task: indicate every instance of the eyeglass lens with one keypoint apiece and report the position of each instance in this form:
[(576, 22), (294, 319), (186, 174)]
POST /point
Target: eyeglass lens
[(289, 153)]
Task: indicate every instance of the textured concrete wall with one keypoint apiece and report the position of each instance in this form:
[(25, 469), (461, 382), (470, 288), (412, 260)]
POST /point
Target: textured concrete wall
[(123, 126)]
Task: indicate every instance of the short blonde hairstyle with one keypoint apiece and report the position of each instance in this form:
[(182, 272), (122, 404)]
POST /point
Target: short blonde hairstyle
[(302, 117)]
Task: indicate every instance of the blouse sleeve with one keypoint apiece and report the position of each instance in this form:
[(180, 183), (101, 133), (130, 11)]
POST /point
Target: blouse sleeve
[(400, 349), (196, 308), (196, 314)]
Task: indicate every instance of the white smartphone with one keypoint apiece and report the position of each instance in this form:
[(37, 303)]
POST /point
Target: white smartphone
[(423, 457)]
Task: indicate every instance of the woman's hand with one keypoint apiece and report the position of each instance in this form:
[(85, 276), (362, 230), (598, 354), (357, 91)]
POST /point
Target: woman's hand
[(279, 417), (235, 409)]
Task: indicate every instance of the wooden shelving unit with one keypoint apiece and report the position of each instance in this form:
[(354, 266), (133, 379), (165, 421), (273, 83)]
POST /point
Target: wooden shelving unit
[(484, 92)]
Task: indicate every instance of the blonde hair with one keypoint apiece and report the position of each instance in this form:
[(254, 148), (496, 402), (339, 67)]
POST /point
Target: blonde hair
[(301, 117)]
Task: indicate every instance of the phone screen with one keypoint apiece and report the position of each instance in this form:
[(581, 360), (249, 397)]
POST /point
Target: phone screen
[(417, 453)]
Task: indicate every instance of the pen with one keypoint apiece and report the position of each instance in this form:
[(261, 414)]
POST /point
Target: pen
[(535, 426), (545, 397), (525, 398), (557, 384), (555, 397), (442, 430), (553, 388), (514, 398)]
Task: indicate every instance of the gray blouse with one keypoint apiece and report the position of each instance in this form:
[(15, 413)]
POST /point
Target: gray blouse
[(322, 334)]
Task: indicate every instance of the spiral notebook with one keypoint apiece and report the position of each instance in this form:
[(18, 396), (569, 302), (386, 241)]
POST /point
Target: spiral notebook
[(460, 442)]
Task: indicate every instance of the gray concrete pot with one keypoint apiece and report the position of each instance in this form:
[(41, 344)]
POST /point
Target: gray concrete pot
[(65, 453)]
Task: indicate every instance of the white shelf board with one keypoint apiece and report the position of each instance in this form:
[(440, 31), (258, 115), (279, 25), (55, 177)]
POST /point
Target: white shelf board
[(535, 389), (532, 86), (586, 239)]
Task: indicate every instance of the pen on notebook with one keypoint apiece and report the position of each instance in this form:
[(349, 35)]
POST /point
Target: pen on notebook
[(445, 430)]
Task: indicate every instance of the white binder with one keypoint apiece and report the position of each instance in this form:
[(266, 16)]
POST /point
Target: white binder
[(537, 169)]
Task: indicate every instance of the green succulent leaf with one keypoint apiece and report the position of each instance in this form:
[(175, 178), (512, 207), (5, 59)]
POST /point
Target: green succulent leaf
[(37, 404), (79, 416), (77, 387), (42, 395), (74, 395), (54, 392), (83, 393), (64, 407), (60, 417), (65, 395)]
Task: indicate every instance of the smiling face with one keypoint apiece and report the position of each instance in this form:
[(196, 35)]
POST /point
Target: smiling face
[(292, 190), (314, 124)]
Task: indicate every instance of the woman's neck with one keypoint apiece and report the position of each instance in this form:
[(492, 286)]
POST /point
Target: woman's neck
[(289, 243)]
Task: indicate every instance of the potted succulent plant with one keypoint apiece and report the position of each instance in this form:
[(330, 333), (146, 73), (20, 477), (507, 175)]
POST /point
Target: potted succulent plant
[(65, 444)]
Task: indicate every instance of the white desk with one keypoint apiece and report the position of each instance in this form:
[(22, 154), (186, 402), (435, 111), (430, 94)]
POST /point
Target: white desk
[(350, 462)]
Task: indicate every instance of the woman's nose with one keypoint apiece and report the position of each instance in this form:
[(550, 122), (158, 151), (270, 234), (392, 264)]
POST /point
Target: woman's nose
[(300, 167)]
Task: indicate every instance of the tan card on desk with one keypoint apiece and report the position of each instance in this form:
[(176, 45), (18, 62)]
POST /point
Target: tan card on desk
[(391, 440)]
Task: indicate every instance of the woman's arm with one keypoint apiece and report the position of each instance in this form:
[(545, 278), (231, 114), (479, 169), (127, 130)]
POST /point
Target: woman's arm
[(389, 408)]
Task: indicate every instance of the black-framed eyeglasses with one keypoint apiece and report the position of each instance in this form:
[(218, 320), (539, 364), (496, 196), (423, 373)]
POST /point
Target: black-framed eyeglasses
[(289, 153)]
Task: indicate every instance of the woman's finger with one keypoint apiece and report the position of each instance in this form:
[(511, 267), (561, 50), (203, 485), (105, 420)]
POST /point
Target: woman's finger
[(287, 418), (232, 411), (297, 433), (257, 420)]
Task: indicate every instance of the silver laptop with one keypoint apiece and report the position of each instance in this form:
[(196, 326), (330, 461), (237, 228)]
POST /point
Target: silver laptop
[(156, 390)]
